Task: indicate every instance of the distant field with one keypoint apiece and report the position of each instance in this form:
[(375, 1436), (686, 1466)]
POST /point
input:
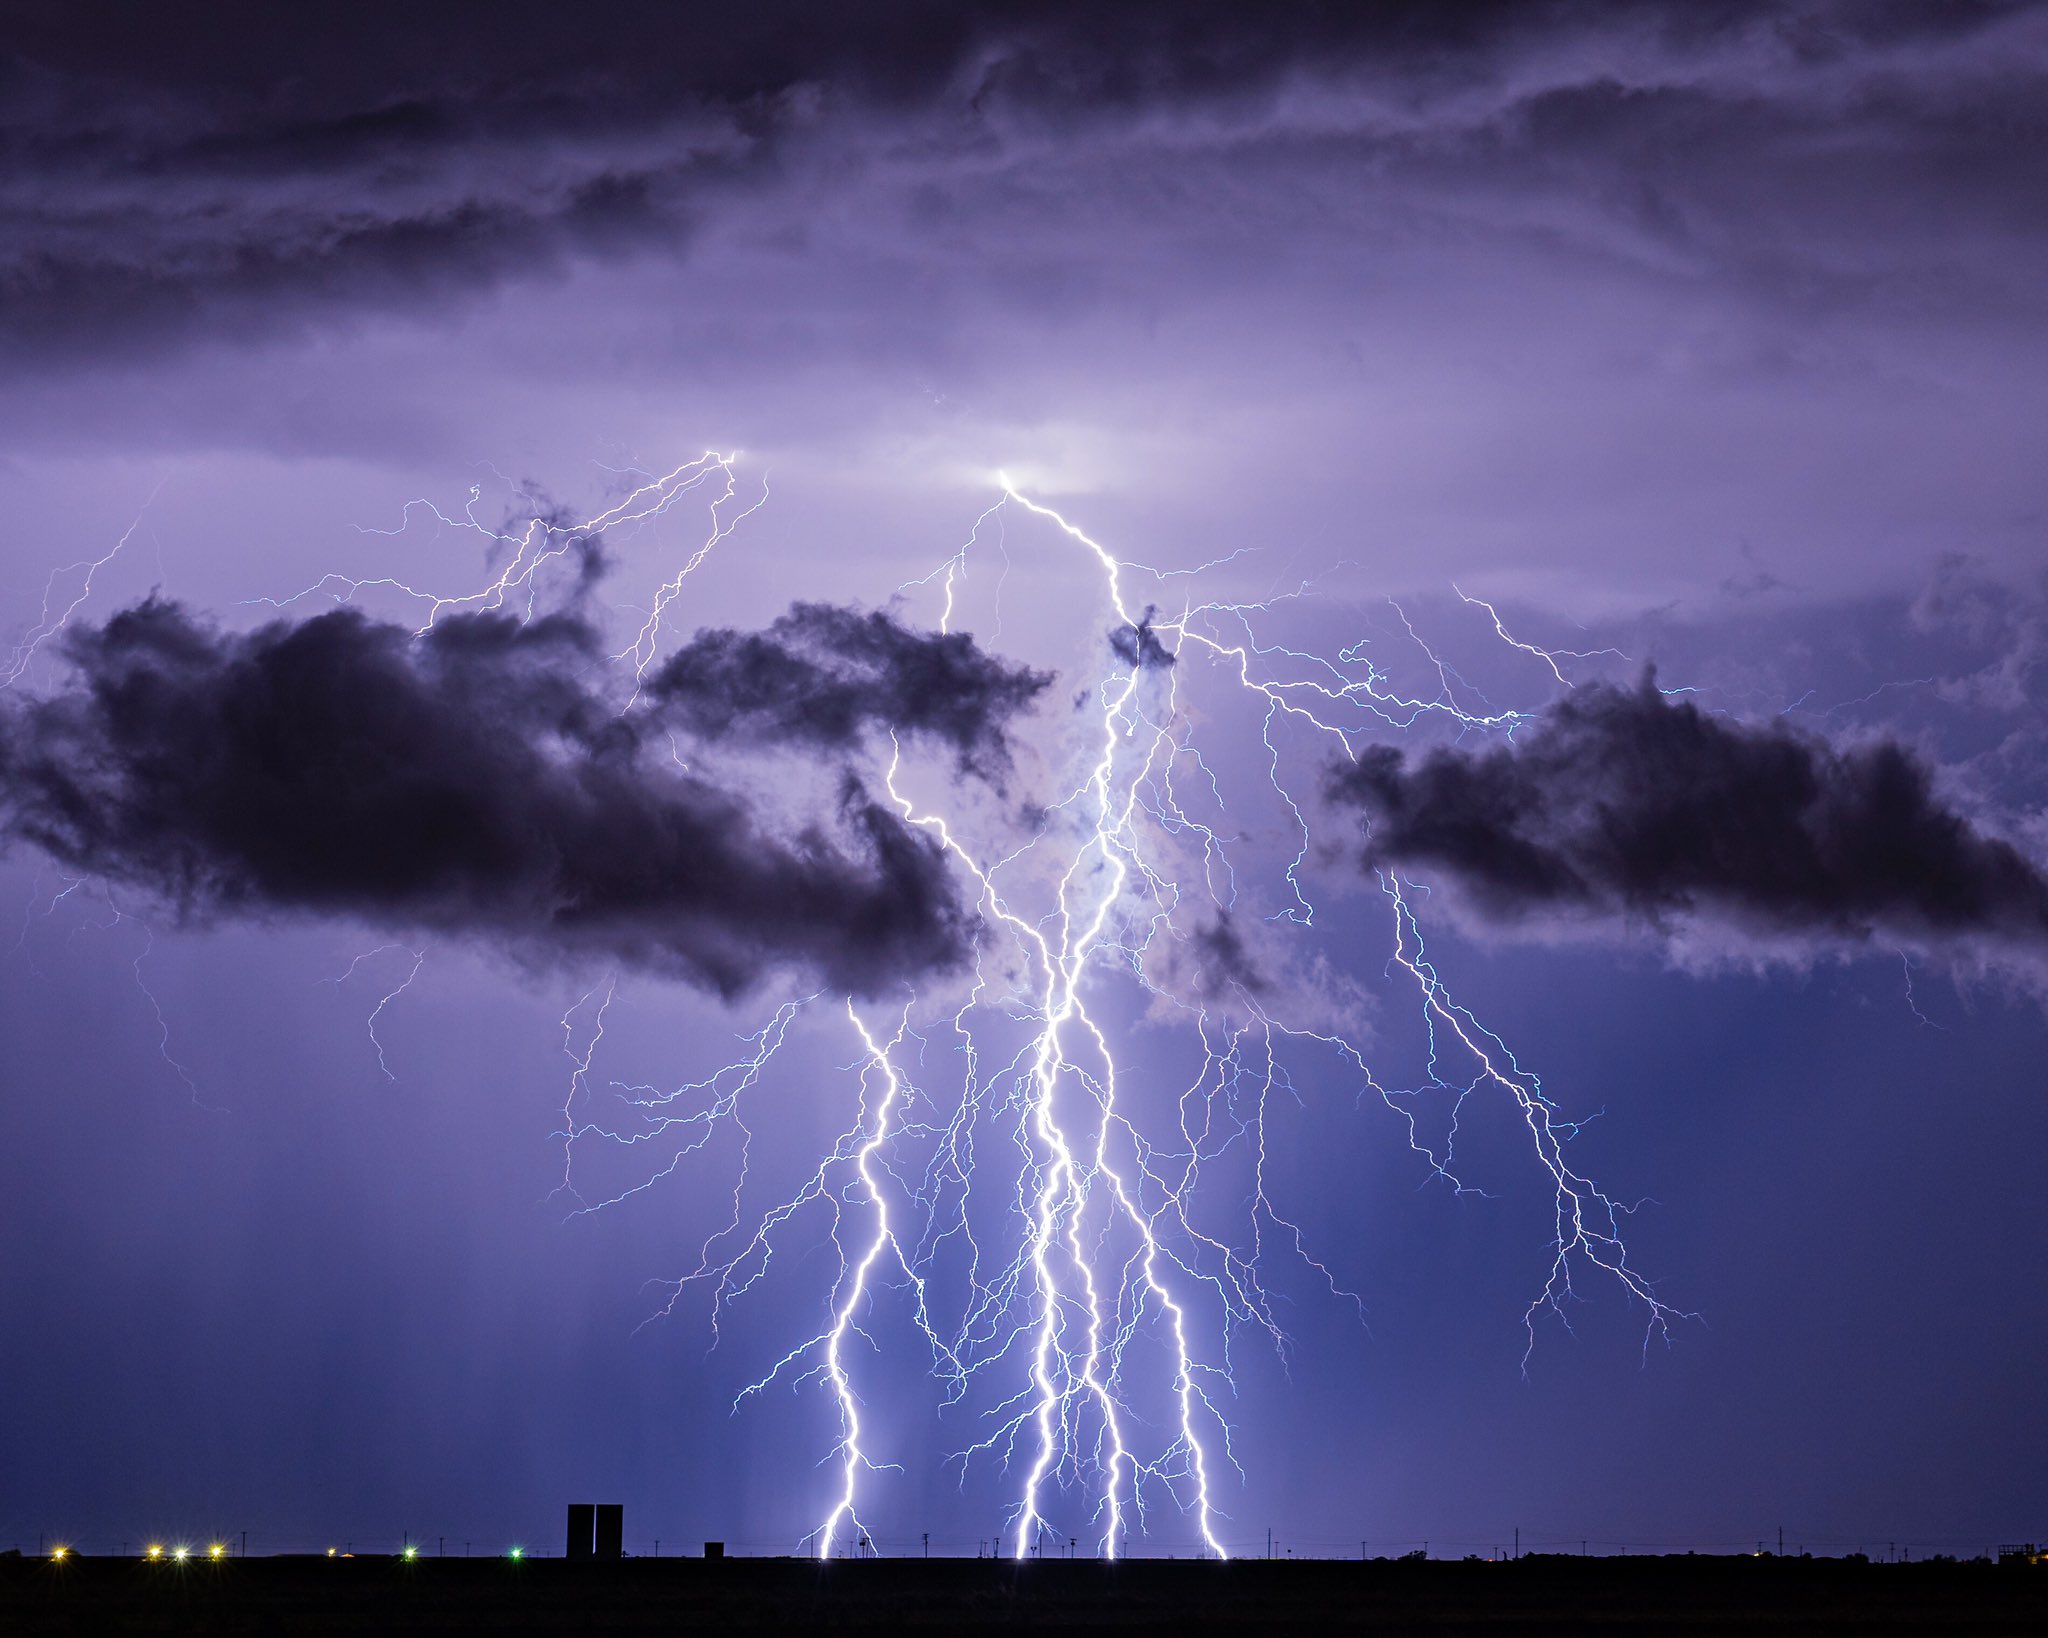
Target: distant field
[(1534, 1595)]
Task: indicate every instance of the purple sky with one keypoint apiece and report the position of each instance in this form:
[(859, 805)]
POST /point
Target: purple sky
[(1713, 336)]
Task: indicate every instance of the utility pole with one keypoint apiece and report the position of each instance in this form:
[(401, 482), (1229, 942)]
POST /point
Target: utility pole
[(1269, 1542), (1781, 1541), (1518, 1541), (245, 1545), (927, 1544)]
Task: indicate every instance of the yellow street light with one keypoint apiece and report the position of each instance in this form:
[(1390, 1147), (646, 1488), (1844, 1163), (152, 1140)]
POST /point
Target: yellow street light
[(217, 1550), (153, 1551)]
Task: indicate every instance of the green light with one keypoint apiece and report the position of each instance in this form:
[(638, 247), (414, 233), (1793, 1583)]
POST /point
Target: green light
[(411, 1553), (517, 1552)]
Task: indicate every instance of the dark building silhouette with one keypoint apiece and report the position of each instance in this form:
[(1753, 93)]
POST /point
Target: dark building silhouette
[(597, 1531), (582, 1530)]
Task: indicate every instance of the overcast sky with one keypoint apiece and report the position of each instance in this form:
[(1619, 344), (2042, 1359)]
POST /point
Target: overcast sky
[(1709, 338)]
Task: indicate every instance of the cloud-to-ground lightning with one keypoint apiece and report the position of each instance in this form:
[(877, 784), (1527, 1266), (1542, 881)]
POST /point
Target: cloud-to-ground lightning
[(1079, 1235), (1095, 1336), (1023, 771)]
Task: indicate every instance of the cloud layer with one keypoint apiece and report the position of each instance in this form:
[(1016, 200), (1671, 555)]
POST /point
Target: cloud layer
[(476, 781), (1568, 301), (1622, 802), (821, 674), (165, 183)]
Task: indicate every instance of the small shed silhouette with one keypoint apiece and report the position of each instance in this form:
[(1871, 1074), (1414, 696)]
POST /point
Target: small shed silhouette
[(597, 1530)]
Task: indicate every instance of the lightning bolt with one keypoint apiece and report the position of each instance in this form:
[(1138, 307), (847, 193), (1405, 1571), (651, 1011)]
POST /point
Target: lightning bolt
[(1092, 1305), (419, 958), (1106, 1290), (1070, 1280), (53, 619), (544, 539)]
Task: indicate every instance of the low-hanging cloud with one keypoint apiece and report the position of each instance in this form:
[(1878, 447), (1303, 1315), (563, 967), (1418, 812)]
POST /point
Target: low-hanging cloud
[(820, 675), (1622, 802), (1139, 647), (479, 780)]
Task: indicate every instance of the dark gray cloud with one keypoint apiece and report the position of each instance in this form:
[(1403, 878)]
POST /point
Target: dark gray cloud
[(331, 59), (1624, 802), (164, 181), (1138, 645), (821, 675), (1224, 961), (473, 780)]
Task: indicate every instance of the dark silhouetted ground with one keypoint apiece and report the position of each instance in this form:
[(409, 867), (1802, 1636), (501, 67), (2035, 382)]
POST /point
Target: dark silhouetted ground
[(1534, 1595)]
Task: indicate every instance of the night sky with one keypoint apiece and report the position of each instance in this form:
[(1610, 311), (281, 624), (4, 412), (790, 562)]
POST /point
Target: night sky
[(1575, 481)]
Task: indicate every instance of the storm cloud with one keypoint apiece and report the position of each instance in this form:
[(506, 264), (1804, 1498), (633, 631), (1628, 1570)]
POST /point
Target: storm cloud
[(1139, 647), (479, 780), (165, 182), (821, 674), (1623, 802)]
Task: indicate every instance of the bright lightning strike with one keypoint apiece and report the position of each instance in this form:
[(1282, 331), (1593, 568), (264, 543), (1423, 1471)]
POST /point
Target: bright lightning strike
[(1093, 1297), (1077, 1268)]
